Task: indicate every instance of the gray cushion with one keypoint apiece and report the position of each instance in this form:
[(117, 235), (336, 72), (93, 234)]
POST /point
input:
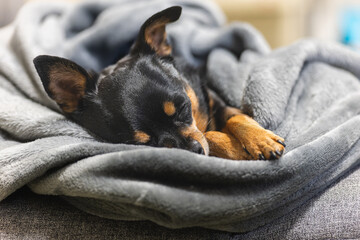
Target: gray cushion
[(333, 214)]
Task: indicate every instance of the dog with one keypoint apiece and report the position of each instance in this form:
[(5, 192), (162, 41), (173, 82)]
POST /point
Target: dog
[(151, 97)]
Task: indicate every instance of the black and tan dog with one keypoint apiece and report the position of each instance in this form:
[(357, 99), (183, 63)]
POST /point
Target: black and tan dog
[(151, 97)]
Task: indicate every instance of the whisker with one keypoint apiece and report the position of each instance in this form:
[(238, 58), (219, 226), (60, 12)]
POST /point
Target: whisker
[(208, 123)]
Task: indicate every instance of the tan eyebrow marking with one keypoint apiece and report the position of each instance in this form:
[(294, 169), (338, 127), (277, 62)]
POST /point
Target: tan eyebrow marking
[(169, 108), (141, 137)]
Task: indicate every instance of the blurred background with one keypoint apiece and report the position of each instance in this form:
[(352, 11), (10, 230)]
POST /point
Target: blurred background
[(281, 21)]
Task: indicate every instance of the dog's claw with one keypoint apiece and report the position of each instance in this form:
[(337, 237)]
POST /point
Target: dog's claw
[(272, 155), (278, 153), (281, 142), (261, 156)]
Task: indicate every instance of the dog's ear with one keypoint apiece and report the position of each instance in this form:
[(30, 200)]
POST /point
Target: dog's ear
[(152, 34), (64, 81)]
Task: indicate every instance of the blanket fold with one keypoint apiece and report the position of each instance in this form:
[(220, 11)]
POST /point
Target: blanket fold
[(308, 93)]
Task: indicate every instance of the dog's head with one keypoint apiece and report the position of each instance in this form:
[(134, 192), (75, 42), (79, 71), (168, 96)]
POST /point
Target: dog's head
[(142, 99)]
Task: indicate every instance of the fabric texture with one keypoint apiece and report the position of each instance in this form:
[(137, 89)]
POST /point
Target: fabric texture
[(308, 93), (334, 214)]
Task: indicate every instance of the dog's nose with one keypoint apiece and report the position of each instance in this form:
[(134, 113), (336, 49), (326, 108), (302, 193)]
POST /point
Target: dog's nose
[(196, 147)]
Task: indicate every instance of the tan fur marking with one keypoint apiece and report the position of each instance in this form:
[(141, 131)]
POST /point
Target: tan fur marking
[(169, 108), (201, 119), (194, 133), (141, 137), (67, 87)]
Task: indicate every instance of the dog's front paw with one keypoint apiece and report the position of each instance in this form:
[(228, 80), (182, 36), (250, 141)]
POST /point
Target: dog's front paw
[(258, 142)]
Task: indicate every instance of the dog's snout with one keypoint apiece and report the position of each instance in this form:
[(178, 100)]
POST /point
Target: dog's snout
[(192, 145), (195, 146)]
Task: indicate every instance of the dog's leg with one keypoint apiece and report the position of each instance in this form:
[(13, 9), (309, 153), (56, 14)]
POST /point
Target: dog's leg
[(225, 145), (241, 137)]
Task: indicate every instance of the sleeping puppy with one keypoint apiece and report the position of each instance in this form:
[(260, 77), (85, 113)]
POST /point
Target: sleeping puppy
[(152, 98)]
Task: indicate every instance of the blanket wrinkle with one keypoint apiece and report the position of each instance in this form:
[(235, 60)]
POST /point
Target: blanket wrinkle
[(308, 93)]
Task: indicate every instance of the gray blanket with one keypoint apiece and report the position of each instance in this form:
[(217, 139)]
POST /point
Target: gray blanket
[(308, 93)]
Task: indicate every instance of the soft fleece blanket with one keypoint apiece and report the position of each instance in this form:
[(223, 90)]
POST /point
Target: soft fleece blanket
[(308, 92)]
